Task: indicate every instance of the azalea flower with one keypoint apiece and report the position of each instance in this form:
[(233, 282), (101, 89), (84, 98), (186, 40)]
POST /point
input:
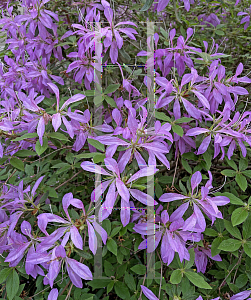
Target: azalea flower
[(246, 19), (76, 270), (118, 186), (70, 228), (56, 118), (201, 258), (171, 230), (150, 139), (200, 201)]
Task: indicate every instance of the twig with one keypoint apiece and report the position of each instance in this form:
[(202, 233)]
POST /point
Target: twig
[(161, 272), (141, 289), (8, 178), (69, 293), (65, 288), (238, 262), (175, 170), (68, 180)]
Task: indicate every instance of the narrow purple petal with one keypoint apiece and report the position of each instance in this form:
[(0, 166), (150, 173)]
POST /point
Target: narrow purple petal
[(148, 293), (171, 197)]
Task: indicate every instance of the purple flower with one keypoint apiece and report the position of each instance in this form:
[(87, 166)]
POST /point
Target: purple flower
[(246, 19), (53, 294), (84, 66), (148, 293), (200, 201), (201, 255), (70, 229), (171, 230), (118, 186), (241, 295), (56, 118), (140, 138), (56, 258)]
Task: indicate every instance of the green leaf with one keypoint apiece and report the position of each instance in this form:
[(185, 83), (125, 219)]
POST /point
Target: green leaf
[(109, 269), (178, 129), (243, 164), (99, 157), (239, 216), (110, 101), (86, 155), (242, 181), (247, 173), (176, 277), (214, 247), (189, 263), (162, 116), (186, 166), (52, 192), (44, 197), (83, 253), (230, 245), (40, 149), (60, 165), (110, 285), (219, 32), (164, 33), (25, 153), (197, 280), (208, 159), (247, 249), (246, 228), (98, 99), (130, 282), (228, 173), (3, 160), (122, 290), (25, 136), (147, 5), (20, 289), (4, 273), (139, 269), (99, 283), (115, 231), (112, 246), (210, 232), (12, 284), (111, 88), (234, 231), (58, 136), (125, 55), (96, 144), (183, 120), (241, 281), (232, 164), (17, 163), (121, 269)]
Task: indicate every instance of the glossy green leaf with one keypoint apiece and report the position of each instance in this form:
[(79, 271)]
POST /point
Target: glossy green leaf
[(242, 181), (197, 280), (139, 269), (111, 88), (147, 5), (40, 149), (96, 144), (112, 246), (176, 277), (12, 284), (239, 216), (230, 245), (17, 163)]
